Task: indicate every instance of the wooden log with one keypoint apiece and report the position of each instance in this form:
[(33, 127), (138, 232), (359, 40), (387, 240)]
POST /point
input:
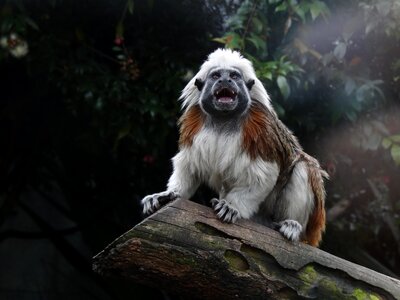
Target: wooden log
[(184, 249)]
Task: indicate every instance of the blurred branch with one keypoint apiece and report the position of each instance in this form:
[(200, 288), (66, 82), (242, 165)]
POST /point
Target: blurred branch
[(98, 52), (253, 11), (381, 194), (337, 210)]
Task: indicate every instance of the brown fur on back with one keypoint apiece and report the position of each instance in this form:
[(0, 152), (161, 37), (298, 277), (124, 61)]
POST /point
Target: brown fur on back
[(316, 222), (266, 137)]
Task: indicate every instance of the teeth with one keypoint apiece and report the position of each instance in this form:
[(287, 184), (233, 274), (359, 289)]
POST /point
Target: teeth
[(225, 91)]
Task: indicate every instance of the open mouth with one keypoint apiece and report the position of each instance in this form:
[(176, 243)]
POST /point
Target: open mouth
[(225, 95)]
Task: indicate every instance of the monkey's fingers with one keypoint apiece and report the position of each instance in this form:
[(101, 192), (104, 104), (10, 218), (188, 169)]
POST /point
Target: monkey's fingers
[(214, 202), (230, 216), (225, 212), (153, 202), (150, 204)]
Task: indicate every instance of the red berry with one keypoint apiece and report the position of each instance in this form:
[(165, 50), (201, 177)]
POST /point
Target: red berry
[(118, 40)]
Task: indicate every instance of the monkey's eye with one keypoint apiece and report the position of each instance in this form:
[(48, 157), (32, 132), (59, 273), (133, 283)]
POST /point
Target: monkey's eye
[(215, 75), (235, 76)]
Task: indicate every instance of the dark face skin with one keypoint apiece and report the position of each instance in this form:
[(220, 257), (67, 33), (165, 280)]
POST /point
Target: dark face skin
[(225, 94)]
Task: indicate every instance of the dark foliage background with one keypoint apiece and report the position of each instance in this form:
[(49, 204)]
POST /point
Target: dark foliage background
[(88, 111)]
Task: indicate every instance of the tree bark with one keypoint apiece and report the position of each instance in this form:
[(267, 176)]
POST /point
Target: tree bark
[(184, 249)]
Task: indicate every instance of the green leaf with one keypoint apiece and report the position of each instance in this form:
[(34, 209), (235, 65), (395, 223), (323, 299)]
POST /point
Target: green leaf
[(370, 26), (340, 51), (257, 42), (356, 105), (122, 133), (288, 24), (336, 115), (6, 24), (297, 80), (119, 30), (266, 75), (347, 35), (380, 127), (220, 40), (350, 85), (31, 23), (373, 141), (257, 24), (383, 8), (386, 143), (150, 4), (395, 138), (351, 115), (318, 8), (279, 109), (283, 86), (130, 5), (378, 91), (233, 41), (281, 7), (361, 91), (395, 152), (299, 10), (327, 58), (315, 11)]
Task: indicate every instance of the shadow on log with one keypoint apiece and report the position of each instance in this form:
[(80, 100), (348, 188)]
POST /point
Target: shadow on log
[(184, 249)]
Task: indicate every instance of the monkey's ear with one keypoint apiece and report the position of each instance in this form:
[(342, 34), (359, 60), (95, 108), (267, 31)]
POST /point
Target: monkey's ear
[(250, 84), (199, 83)]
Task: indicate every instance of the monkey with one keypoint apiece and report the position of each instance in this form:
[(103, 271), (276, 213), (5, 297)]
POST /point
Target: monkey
[(232, 140)]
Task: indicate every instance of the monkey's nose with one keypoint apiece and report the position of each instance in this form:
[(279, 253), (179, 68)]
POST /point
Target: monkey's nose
[(225, 80)]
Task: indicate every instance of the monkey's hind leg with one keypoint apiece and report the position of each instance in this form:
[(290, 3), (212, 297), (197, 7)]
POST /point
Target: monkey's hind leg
[(152, 203), (294, 205)]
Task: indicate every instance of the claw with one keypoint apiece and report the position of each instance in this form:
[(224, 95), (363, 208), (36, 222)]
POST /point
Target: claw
[(153, 202), (214, 202), (225, 212), (290, 229)]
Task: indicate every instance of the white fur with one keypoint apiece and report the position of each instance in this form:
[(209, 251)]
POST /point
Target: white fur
[(225, 58), (291, 229), (218, 160), (216, 157), (296, 201)]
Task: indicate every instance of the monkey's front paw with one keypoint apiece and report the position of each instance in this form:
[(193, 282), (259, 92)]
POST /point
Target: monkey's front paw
[(225, 212), (153, 202), (290, 229)]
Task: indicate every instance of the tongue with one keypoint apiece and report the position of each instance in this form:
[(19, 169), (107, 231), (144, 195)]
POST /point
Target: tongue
[(225, 99)]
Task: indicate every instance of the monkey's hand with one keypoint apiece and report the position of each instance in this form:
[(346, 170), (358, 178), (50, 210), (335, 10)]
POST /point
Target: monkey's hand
[(290, 229), (225, 212), (152, 203)]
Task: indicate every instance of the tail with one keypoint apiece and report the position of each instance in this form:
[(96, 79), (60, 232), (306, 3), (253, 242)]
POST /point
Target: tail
[(316, 221)]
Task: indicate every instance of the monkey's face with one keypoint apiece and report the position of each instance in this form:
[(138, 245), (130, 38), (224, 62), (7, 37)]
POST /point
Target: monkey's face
[(224, 92)]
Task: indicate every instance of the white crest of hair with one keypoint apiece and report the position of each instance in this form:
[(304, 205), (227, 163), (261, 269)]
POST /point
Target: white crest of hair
[(225, 58)]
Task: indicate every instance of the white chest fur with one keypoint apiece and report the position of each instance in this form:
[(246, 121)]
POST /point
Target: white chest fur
[(219, 160)]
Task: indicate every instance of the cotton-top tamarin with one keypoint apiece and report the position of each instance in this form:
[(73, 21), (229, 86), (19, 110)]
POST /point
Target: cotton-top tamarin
[(232, 140)]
